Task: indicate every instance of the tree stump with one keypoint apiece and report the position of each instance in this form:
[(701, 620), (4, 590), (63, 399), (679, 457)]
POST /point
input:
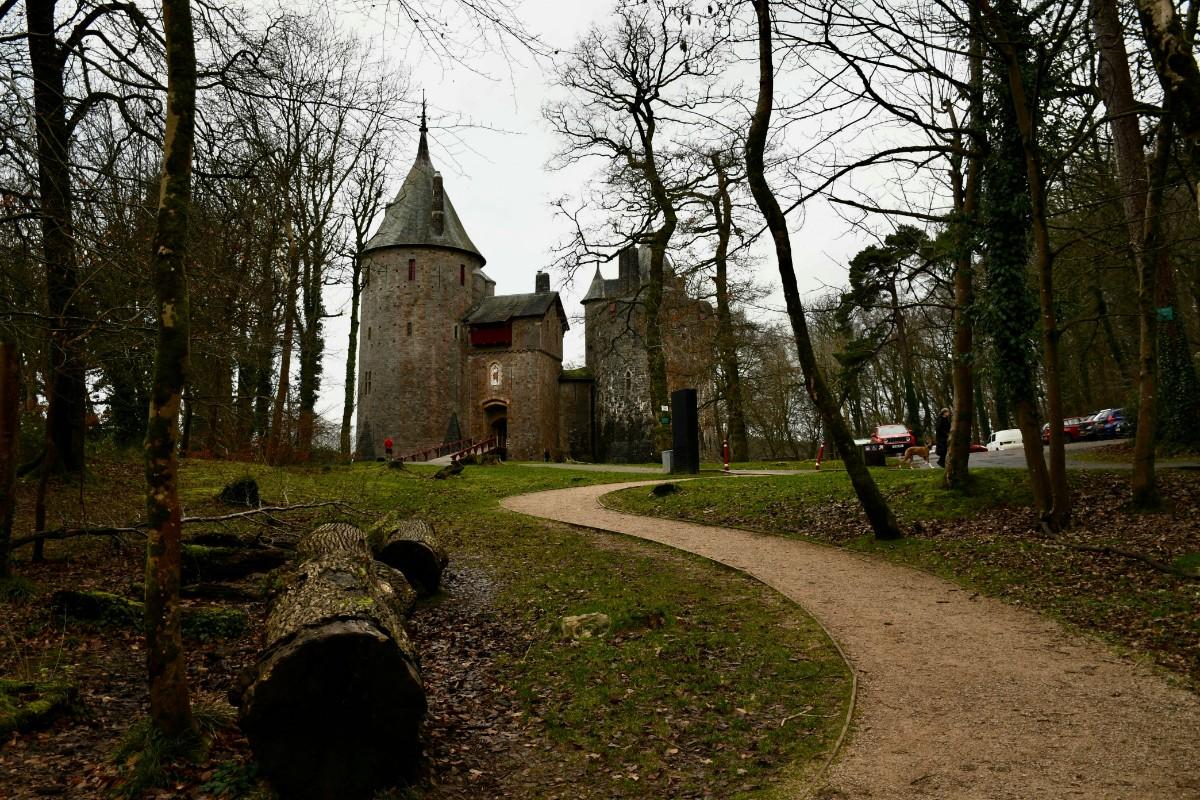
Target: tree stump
[(411, 546), (242, 492), (332, 706)]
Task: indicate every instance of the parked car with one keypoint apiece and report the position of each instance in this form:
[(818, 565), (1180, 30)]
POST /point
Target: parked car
[(1105, 424), (976, 447), (894, 438), (1006, 440), (1071, 429), (1112, 425)]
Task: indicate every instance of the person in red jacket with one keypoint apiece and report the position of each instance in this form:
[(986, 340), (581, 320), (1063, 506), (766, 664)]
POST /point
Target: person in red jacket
[(387, 448)]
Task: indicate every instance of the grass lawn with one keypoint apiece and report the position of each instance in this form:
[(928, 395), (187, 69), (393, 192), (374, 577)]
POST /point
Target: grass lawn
[(708, 684), (986, 540)]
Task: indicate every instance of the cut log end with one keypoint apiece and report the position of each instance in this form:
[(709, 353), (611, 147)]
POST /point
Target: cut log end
[(290, 714)]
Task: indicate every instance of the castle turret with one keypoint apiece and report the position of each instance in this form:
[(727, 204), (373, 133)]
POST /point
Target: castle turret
[(425, 273)]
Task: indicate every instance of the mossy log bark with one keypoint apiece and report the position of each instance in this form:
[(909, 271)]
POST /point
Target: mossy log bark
[(411, 546), (29, 705), (105, 608), (332, 707), (203, 563)]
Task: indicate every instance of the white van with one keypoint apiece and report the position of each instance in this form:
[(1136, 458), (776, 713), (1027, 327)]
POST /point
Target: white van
[(1005, 440)]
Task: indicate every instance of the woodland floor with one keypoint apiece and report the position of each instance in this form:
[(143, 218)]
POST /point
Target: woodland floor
[(710, 685)]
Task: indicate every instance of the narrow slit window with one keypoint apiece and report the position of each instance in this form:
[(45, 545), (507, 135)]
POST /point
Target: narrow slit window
[(455, 331), (462, 274), (368, 382), (412, 269), (368, 334), (408, 329)]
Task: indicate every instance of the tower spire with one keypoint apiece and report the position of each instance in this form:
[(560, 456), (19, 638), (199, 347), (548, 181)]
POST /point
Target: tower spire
[(423, 145)]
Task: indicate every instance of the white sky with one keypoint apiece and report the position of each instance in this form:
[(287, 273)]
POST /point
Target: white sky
[(494, 167)]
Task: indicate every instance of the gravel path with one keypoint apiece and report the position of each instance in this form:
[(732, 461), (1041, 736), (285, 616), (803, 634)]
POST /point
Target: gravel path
[(960, 696)]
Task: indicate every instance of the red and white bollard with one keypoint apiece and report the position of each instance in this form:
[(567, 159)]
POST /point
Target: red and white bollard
[(725, 450), (820, 453)]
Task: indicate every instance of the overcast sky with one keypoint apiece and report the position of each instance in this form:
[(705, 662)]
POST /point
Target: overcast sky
[(493, 161)]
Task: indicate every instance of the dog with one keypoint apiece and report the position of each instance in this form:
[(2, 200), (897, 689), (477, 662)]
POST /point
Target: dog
[(907, 458)]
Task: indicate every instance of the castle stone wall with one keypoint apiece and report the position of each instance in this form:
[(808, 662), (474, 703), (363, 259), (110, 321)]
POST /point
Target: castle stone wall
[(410, 381), (616, 355), (527, 387)]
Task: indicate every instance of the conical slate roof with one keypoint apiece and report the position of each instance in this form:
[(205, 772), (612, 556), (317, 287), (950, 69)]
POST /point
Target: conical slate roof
[(409, 219)]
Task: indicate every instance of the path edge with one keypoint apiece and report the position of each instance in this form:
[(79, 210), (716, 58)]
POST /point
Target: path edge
[(817, 777)]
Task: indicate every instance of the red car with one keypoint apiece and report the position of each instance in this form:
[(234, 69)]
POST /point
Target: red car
[(894, 438), (1071, 430)]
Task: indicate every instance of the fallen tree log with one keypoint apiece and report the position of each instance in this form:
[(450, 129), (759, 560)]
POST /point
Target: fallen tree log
[(202, 563), (199, 623), (411, 546), (333, 704)]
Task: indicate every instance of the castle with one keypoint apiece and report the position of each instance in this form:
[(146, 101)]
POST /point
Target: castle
[(443, 359)]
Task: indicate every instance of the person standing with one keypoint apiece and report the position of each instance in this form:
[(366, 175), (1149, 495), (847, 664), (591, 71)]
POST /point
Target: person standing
[(941, 434), (387, 448)]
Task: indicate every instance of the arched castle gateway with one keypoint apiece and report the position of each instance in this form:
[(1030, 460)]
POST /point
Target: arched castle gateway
[(443, 359)]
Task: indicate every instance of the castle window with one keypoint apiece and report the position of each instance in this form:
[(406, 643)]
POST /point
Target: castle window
[(368, 382), (628, 383), (368, 334), (462, 274), (412, 269), (456, 332), (612, 310), (408, 329), (496, 375)]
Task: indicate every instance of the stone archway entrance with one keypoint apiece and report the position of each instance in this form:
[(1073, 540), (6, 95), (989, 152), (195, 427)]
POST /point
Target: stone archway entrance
[(496, 415)]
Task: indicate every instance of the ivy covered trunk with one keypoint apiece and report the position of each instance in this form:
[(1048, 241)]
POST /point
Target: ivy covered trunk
[(883, 522), (10, 420), (67, 392), (170, 709)]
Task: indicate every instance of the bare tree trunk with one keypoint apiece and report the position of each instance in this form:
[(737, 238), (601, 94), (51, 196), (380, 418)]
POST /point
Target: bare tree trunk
[(726, 341), (351, 357), (1116, 88), (275, 442), (1171, 48), (66, 390), (883, 522), (655, 351), (170, 708), (10, 421), (966, 202)]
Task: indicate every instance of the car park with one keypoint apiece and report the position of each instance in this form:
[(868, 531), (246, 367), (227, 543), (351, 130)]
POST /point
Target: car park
[(1106, 424), (1072, 431), (1006, 440), (894, 438)]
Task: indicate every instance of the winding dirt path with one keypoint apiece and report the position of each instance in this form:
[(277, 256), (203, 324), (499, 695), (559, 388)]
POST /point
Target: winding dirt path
[(960, 696)]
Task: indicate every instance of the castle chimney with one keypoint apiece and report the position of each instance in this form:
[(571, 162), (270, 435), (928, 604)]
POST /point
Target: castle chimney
[(439, 215), (541, 282)]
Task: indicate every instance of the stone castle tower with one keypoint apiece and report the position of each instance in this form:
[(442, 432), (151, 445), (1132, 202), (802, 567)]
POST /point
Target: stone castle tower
[(442, 358), (615, 350), (422, 274)]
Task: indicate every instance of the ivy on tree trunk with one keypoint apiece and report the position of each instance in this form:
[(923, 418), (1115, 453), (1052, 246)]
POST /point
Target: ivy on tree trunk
[(170, 709)]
